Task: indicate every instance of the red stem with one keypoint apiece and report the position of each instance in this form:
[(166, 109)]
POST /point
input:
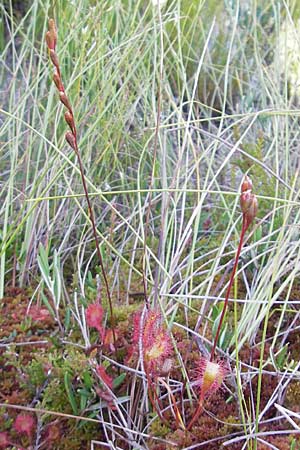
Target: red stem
[(245, 225), (196, 415), (92, 218), (152, 394)]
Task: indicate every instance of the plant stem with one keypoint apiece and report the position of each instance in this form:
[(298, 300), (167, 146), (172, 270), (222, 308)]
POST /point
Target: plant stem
[(92, 218), (196, 415), (245, 226), (152, 397)]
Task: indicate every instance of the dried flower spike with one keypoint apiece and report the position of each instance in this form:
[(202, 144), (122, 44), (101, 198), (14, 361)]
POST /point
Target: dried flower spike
[(54, 58), (71, 138), (57, 80), (249, 207), (53, 33), (64, 99), (49, 41), (246, 184), (70, 120)]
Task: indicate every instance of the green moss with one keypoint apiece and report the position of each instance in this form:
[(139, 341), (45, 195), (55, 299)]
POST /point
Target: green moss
[(293, 394), (36, 373), (55, 397), (159, 429)]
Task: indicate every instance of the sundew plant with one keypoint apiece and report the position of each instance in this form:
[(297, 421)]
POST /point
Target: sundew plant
[(149, 240)]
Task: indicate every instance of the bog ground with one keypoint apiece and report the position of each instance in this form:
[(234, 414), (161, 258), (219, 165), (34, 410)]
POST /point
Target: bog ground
[(149, 241)]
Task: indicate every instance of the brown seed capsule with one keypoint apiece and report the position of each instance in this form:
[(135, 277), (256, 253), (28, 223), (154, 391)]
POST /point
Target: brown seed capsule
[(54, 58), (57, 81), (70, 138), (245, 201), (246, 184), (53, 32), (252, 210), (49, 40), (70, 120), (64, 99), (248, 201)]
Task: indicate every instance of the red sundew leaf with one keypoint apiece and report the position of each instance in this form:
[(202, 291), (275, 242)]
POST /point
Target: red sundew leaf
[(94, 316), (136, 327), (24, 424), (107, 379), (107, 397), (108, 338), (4, 439), (53, 432), (156, 341), (39, 314), (210, 376)]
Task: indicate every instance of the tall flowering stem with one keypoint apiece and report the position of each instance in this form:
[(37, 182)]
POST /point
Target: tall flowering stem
[(248, 202), (210, 373), (71, 138)]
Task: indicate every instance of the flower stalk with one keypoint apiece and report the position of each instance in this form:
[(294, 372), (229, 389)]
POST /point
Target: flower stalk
[(248, 202), (71, 138), (210, 373)]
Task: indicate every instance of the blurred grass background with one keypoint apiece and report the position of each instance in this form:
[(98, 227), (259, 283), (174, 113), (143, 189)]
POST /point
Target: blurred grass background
[(226, 107)]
